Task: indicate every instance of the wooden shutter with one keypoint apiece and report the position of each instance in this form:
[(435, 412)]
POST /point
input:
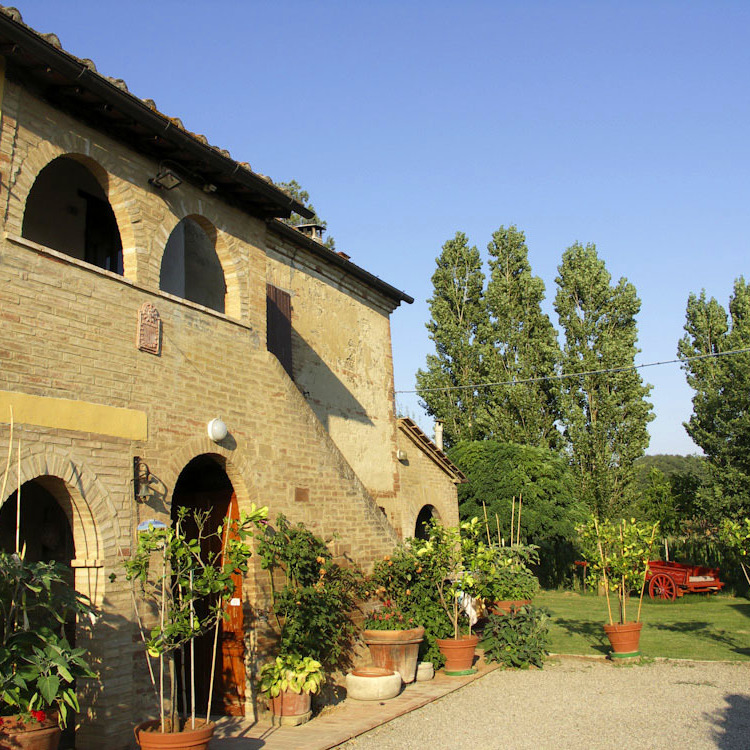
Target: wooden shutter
[(279, 326)]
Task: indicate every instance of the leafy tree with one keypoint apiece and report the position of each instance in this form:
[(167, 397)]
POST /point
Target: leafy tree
[(720, 423), (302, 196), (498, 472), (457, 312), (604, 415), (521, 343), (658, 503)]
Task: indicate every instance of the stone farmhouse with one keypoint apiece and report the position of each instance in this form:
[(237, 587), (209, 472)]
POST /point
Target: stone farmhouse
[(167, 339)]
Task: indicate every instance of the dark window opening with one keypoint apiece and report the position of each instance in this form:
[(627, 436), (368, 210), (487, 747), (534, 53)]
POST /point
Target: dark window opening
[(68, 211), (279, 326)]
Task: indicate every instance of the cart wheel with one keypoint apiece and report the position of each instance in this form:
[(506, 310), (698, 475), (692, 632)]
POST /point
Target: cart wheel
[(662, 587)]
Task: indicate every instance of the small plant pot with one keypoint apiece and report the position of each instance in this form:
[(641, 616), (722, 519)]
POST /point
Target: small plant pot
[(149, 737), (395, 650), (373, 684), (624, 639), (425, 671), (508, 606), (458, 653), (18, 735)]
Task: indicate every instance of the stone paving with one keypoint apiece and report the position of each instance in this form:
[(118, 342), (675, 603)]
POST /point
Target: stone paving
[(338, 723)]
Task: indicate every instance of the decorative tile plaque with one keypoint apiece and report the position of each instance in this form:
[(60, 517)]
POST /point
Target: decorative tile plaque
[(149, 329)]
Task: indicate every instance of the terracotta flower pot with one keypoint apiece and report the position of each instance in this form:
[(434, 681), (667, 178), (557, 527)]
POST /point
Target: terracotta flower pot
[(624, 639), (149, 737), (507, 606), (35, 735), (395, 650), (287, 703), (458, 653)]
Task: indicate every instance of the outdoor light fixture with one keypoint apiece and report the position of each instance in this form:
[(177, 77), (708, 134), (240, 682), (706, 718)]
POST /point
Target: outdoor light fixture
[(165, 179), (217, 430), (141, 479)]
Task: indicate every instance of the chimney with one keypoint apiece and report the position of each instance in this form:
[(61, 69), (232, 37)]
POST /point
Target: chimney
[(313, 231), (439, 434)]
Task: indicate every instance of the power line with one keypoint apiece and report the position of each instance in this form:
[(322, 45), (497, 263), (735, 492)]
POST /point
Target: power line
[(563, 376)]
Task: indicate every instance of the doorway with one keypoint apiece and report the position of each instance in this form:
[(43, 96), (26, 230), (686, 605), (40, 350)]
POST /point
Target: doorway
[(203, 485)]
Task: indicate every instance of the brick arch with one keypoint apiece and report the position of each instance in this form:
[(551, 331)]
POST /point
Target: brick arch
[(98, 161), (88, 507), (227, 251), (235, 463)]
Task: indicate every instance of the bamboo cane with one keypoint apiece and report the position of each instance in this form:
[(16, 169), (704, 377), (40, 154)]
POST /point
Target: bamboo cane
[(192, 656), (518, 533), (604, 571), (497, 521), (645, 573), (218, 619), (161, 655), (18, 501), (622, 576), (9, 458), (486, 522), (512, 518)]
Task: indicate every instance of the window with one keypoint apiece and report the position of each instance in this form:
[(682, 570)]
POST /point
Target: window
[(279, 326)]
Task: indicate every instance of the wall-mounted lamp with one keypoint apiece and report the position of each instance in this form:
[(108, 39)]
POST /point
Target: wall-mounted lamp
[(165, 179), (141, 479), (217, 430)]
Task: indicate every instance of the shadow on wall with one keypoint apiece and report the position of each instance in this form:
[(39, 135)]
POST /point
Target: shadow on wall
[(732, 723), (324, 391)]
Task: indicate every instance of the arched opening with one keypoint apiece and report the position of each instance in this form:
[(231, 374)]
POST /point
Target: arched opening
[(203, 485), (425, 517), (190, 267), (67, 210), (45, 534)]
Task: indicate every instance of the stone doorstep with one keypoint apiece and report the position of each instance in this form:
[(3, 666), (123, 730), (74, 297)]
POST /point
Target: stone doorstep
[(340, 723)]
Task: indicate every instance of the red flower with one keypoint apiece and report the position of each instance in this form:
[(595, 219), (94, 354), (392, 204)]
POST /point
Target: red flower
[(1, 721), (40, 716)]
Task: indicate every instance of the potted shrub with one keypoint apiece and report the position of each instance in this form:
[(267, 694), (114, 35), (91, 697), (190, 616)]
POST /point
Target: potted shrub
[(519, 640), (620, 553), (38, 666), (288, 682), (312, 598), (393, 639), (507, 582), (454, 554), (188, 590)]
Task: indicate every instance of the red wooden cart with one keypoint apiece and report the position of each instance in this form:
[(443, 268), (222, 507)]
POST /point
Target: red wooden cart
[(668, 580)]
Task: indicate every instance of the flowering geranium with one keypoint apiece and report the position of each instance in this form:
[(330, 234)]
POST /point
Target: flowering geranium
[(389, 617)]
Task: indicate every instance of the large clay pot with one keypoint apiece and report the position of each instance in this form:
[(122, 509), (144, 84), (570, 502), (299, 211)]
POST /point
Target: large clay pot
[(395, 650), (508, 606), (624, 639), (287, 703), (34, 735), (458, 653), (148, 736)]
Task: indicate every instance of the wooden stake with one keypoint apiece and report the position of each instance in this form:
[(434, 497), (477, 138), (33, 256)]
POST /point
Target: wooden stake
[(161, 655), (604, 571), (497, 521), (518, 534), (645, 572), (192, 656), (623, 590), (512, 518), (18, 501), (486, 522)]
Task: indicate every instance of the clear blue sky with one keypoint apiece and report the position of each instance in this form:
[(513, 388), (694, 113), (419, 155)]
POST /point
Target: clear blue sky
[(623, 124)]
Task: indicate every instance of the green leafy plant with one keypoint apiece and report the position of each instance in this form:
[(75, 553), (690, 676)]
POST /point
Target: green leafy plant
[(389, 617), (188, 587), (313, 597), (504, 573), (736, 535), (520, 639), (289, 672), (618, 554), (38, 667)]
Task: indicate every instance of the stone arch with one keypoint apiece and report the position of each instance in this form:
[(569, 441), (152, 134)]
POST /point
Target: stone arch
[(89, 509), (119, 192), (224, 244), (426, 514)]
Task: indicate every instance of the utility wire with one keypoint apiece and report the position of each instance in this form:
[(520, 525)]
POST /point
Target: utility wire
[(563, 376)]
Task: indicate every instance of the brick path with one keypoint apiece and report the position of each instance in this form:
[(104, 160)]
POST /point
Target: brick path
[(339, 723)]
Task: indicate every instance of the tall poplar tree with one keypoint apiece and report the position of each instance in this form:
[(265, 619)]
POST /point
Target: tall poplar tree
[(720, 423), (604, 415), (520, 343), (457, 313)]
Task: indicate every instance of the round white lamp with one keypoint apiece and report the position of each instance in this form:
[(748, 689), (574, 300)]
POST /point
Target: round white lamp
[(217, 430)]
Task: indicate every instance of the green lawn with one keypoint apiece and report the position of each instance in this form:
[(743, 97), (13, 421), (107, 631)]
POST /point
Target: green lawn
[(694, 627)]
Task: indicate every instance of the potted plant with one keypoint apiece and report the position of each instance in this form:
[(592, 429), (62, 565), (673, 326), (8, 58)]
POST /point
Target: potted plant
[(393, 639), (38, 666), (312, 599), (454, 554), (620, 552), (507, 582), (289, 681), (187, 589)]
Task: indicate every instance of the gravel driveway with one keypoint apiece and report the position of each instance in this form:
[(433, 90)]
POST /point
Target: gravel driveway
[(583, 705)]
